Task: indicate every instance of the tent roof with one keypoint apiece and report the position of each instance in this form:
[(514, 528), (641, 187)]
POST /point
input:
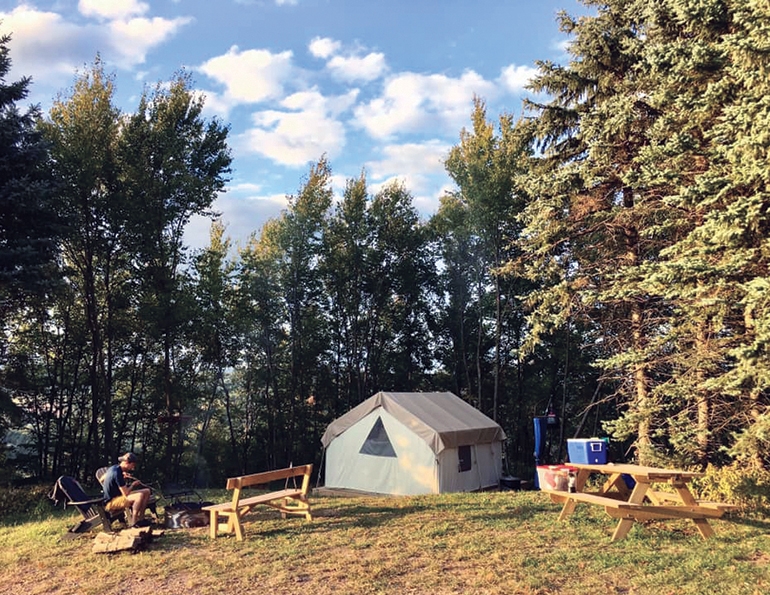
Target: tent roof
[(442, 420)]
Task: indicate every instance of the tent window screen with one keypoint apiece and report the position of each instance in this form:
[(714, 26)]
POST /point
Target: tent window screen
[(464, 454), (377, 442)]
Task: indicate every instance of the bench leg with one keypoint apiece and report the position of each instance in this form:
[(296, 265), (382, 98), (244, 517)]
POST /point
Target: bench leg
[(213, 524), (624, 526), (235, 523), (704, 528), (567, 509), (687, 498)]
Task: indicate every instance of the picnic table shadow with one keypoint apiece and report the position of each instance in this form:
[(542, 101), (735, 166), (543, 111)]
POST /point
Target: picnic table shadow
[(749, 521)]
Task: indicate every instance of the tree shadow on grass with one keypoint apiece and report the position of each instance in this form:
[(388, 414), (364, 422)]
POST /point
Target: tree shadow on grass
[(327, 517), (518, 510), (363, 515), (739, 519)]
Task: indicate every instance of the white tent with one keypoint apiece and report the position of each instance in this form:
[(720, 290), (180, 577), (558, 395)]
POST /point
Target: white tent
[(413, 443)]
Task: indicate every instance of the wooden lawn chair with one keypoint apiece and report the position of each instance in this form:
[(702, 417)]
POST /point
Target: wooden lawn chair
[(69, 491)]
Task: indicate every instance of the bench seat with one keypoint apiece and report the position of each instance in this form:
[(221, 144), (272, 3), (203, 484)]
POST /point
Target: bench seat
[(289, 501), (599, 499), (254, 500), (621, 509)]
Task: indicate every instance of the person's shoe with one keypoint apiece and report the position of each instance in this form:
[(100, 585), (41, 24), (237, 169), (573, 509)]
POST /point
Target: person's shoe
[(143, 523)]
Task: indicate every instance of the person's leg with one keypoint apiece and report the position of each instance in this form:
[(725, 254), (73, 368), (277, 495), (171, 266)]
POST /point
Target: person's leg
[(139, 500), (121, 504)]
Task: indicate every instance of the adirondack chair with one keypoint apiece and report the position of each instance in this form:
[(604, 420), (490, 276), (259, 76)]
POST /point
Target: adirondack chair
[(152, 505), (68, 491)]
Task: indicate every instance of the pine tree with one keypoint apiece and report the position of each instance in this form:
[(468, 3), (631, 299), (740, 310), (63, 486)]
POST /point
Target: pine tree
[(730, 247), (650, 216), (586, 223), (683, 68), (29, 216)]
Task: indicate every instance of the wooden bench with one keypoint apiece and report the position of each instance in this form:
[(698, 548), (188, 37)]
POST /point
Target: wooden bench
[(609, 501), (291, 500), (620, 509)]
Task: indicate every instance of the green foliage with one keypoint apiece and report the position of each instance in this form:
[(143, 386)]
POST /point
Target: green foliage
[(648, 201), (30, 228), (28, 500), (740, 484), (30, 222)]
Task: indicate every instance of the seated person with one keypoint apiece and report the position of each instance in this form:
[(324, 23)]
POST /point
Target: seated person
[(121, 495)]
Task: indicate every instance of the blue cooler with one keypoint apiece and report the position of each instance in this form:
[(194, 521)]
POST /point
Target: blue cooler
[(589, 451)]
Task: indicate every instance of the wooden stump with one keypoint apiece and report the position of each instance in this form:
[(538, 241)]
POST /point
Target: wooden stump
[(128, 539)]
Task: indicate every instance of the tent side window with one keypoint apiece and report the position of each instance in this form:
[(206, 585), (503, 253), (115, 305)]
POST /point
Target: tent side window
[(377, 442), (464, 454)]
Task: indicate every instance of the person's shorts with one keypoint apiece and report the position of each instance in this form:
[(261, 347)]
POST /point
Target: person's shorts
[(117, 503)]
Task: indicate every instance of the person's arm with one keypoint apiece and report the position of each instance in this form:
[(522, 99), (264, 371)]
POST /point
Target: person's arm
[(126, 488)]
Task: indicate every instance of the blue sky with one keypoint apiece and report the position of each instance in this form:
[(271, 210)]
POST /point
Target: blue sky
[(381, 86)]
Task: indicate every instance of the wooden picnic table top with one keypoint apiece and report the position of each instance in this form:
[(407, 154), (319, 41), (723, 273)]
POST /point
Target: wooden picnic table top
[(638, 471)]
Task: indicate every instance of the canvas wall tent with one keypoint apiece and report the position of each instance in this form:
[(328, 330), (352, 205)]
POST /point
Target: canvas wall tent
[(413, 443)]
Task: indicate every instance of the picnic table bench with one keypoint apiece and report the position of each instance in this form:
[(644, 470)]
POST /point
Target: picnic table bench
[(640, 503), (289, 501)]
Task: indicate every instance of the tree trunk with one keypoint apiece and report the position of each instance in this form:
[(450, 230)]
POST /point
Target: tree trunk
[(702, 400), (642, 403)]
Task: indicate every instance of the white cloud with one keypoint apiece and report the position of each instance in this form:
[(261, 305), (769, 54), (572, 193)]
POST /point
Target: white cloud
[(213, 103), (351, 66), (354, 68), (52, 48), (516, 78), (417, 165), (242, 209), (286, 2), (309, 129), (42, 43), (250, 76), (133, 39), (413, 102), (563, 46), (339, 182), (323, 47), (410, 158), (245, 188), (112, 9)]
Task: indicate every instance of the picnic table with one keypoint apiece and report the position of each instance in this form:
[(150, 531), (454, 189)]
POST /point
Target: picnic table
[(635, 501)]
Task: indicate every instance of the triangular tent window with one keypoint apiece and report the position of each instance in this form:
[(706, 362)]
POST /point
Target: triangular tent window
[(377, 442)]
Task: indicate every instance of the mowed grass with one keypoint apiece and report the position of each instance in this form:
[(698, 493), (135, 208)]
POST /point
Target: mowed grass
[(491, 542)]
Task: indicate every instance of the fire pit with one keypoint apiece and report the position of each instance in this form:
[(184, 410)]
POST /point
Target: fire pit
[(183, 513), (186, 515)]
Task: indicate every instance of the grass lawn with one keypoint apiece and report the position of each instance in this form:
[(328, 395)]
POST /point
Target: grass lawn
[(491, 542)]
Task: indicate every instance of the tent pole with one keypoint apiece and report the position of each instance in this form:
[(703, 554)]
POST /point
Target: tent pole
[(320, 467)]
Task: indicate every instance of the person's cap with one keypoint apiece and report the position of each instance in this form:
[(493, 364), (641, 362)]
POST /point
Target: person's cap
[(129, 457)]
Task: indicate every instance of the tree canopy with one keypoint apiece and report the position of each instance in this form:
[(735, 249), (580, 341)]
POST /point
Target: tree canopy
[(604, 256)]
